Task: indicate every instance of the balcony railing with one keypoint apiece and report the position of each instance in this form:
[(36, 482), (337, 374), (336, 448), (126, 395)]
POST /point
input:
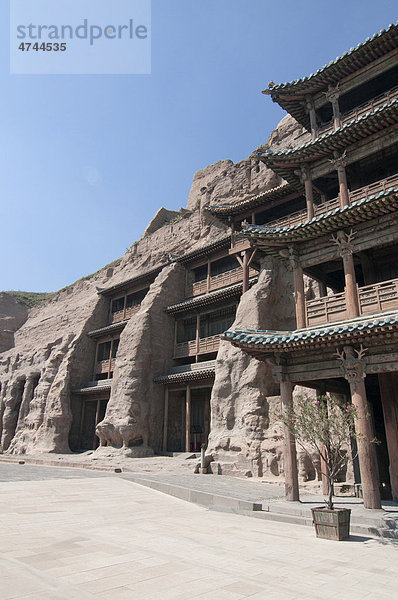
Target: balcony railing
[(379, 297), (123, 315), (373, 299), (105, 366), (364, 192), (192, 348), (218, 281), (362, 109)]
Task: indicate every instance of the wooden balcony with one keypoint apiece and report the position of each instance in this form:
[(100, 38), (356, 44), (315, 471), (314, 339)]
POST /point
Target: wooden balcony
[(123, 315), (361, 110), (218, 281), (365, 192), (105, 366), (373, 299), (192, 348)]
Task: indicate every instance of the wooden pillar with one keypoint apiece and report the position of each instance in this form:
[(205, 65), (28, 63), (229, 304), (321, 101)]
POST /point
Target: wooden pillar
[(309, 194), (95, 362), (333, 96), (299, 295), (321, 392), (110, 360), (322, 289), (188, 419), (208, 281), (245, 266), (124, 307), (165, 418), (175, 336), (343, 186), (97, 414), (388, 383), (366, 449), (197, 336), (351, 289), (253, 218), (312, 114), (289, 448)]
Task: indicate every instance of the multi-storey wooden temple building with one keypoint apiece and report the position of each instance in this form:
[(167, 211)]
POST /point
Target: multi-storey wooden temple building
[(338, 225), (332, 221)]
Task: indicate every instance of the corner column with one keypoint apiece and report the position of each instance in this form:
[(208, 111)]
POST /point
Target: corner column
[(289, 447), (388, 383), (354, 371)]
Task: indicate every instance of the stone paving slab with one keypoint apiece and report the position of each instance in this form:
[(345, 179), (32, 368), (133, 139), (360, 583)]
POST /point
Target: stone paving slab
[(111, 539), (29, 472), (267, 501)]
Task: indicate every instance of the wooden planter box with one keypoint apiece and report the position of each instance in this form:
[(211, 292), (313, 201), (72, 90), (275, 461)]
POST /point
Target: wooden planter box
[(331, 524)]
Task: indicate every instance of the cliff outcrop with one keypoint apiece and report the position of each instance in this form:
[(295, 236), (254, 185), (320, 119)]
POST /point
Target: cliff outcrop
[(51, 355)]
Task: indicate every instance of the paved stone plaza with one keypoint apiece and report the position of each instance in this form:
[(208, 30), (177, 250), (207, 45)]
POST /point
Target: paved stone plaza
[(70, 534)]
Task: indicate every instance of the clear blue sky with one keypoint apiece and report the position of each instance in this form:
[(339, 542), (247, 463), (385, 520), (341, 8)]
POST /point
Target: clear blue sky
[(85, 161)]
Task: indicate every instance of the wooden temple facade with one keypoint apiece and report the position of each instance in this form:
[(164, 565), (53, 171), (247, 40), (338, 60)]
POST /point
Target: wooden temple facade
[(216, 277), (344, 235), (332, 219)]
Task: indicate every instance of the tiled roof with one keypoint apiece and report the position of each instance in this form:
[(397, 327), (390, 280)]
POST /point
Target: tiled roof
[(210, 298), (95, 387), (130, 283), (204, 250), (108, 329), (189, 372), (350, 62), (359, 211), (259, 342), (242, 206), (324, 145)]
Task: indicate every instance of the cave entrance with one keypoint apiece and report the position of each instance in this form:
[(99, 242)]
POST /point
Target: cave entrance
[(87, 413), (187, 418)]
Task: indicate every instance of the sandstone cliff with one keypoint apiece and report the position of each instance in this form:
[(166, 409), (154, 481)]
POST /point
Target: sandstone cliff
[(53, 355)]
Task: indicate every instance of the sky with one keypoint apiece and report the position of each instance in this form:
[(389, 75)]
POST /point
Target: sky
[(87, 160)]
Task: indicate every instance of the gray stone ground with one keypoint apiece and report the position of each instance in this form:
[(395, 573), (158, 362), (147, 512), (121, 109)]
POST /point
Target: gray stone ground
[(80, 535)]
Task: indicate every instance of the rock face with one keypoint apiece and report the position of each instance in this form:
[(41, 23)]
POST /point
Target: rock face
[(226, 182), (49, 359), (244, 391), (12, 315), (53, 356), (135, 410)]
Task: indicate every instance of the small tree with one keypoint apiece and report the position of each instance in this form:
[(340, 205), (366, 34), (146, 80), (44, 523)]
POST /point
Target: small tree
[(325, 425)]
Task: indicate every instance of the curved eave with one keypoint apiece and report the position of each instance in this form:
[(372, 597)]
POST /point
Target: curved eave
[(262, 343), (290, 95), (358, 212), (242, 206), (186, 377), (208, 299), (323, 146)]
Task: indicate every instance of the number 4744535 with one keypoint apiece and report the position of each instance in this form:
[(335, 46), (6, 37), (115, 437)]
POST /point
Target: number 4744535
[(44, 47)]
